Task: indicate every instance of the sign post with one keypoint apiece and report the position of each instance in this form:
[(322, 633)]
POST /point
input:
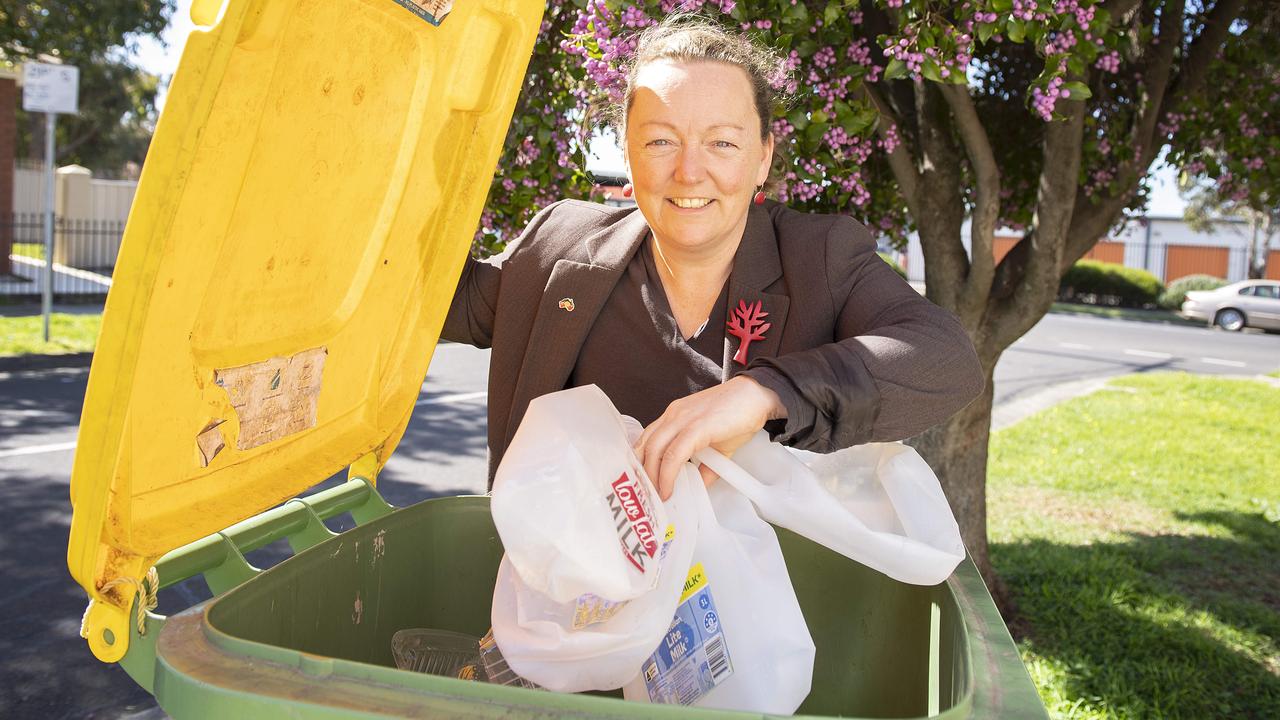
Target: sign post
[(50, 89)]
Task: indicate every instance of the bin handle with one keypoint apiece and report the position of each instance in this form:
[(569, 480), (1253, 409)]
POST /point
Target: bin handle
[(220, 558)]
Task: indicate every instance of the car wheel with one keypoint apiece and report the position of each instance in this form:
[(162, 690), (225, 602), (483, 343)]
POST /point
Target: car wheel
[(1230, 319)]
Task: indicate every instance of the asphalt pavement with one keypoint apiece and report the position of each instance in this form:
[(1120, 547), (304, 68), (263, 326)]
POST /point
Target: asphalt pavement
[(46, 670)]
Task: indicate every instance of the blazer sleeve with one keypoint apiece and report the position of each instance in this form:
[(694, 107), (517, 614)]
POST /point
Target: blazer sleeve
[(475, 302), (899, 365)]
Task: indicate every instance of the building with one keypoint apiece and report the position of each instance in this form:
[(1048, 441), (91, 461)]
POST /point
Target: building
[(1166, 246)]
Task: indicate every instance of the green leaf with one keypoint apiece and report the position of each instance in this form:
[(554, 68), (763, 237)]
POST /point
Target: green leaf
[(807, 48), (985, 31), (831, 14), (544, 136), (1078, 90), (813, 136), (855, 123), (1017, 30), (1002, 6), (930, 70), (896, 69), (819, 116), (798, 117), (1076, 65)]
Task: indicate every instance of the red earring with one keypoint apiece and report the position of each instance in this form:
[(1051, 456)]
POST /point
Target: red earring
[(759, 197), (627, 190)]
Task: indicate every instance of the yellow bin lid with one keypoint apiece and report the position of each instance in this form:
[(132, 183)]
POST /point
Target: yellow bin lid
[(310, 196)]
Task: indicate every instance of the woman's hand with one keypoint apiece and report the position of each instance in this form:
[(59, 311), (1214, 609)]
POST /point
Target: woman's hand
[(723, 417)]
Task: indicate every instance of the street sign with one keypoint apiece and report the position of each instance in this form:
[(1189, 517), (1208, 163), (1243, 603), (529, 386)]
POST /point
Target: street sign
[(50, 88)]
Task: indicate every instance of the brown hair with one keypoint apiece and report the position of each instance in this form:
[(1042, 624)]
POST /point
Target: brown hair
[(686, 37)]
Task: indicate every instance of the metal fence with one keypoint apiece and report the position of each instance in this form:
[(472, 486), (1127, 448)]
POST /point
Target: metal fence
[(84, 256)]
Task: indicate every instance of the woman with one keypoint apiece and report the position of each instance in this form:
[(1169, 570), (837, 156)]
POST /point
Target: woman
[(706, 312)]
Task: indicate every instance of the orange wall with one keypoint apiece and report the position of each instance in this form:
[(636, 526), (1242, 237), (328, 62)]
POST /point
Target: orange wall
[(1001, 245), (1112, 252), (1183, 260), (1273, 265)]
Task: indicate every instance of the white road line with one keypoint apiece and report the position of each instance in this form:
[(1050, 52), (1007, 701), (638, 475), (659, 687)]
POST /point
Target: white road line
[(61, 447), (450, 399), (1224, 363), (38, 449), (1075, 346), (1148, 354)]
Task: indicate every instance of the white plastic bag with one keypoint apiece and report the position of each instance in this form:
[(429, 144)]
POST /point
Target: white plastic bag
[(592, 643), (571, 502), (738, 640), (879, 504)]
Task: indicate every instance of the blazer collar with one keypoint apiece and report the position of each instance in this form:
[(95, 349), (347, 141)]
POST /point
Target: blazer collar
[(612, 247), (756, 266)]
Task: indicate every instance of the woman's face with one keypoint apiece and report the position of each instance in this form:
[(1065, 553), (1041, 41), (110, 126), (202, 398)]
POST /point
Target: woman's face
[(694, 153)]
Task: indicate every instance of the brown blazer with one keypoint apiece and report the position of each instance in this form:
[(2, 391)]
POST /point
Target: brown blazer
[(854, 352)]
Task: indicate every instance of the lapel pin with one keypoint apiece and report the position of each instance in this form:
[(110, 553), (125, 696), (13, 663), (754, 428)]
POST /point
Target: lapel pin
[(746, 322), (565, 304)]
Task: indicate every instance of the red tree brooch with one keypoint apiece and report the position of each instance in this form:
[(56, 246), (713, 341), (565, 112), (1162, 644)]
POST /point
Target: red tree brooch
[(747, 324)]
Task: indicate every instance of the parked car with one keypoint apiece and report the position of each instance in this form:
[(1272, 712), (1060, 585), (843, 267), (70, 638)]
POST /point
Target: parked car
[(1250, 303)]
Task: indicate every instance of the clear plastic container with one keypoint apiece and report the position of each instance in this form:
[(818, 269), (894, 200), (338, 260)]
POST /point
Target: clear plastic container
[(438, 652)]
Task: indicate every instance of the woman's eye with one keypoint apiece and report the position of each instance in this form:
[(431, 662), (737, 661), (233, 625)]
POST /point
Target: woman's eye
[(724, 144), (658, 143)]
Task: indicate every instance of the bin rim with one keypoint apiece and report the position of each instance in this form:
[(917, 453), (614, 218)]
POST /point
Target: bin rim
[(996, 684)]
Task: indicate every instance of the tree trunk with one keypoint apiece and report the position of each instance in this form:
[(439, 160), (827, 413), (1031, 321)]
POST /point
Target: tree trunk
[(1254, 268), (957, 452)]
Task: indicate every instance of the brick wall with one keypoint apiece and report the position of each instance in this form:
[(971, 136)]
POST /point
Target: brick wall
[(8, 143)]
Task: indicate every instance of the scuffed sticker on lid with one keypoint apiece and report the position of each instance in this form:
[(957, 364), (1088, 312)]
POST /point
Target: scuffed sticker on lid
[(433, 11), (274, 398), (210, 442)]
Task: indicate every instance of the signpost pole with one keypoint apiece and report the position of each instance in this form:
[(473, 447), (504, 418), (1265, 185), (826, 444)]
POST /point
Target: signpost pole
[(50, 124), (50, 89)]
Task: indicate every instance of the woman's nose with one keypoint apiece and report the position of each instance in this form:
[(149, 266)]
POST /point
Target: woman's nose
[(690, 165)]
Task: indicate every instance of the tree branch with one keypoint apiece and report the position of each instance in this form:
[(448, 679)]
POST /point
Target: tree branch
[(940, 200), (1156, 82), (900, 161), (1195, 69), (986, 210), (1120, 8), (1011, 317), (1092, 219)]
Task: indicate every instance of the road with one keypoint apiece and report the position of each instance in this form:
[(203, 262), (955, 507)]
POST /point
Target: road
[(45, 668)]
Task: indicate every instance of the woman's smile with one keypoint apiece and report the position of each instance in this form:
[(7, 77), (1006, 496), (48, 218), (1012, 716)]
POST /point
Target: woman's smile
[(690, 203)]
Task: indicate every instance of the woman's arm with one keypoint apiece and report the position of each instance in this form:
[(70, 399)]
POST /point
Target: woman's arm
[(900, 364), (474, 308)]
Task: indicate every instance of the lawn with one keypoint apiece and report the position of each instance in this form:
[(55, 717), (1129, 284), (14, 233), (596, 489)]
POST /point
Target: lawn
[(1139, 530), (68, 333), (31, 250)]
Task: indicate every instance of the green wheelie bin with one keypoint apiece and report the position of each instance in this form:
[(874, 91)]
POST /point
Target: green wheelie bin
[(309, 200)]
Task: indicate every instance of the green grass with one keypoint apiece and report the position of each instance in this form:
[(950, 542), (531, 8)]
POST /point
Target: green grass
[(68, 333), (1155, 316), (1137, 529), (31, 250)]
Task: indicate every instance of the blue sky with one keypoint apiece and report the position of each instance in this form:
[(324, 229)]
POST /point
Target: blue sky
[(162, 59)]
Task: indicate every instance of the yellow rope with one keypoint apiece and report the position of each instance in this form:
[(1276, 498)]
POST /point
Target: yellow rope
[(147, 601)]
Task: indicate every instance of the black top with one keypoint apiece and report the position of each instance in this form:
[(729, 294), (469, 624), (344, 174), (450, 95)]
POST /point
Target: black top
[(635, 352)]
